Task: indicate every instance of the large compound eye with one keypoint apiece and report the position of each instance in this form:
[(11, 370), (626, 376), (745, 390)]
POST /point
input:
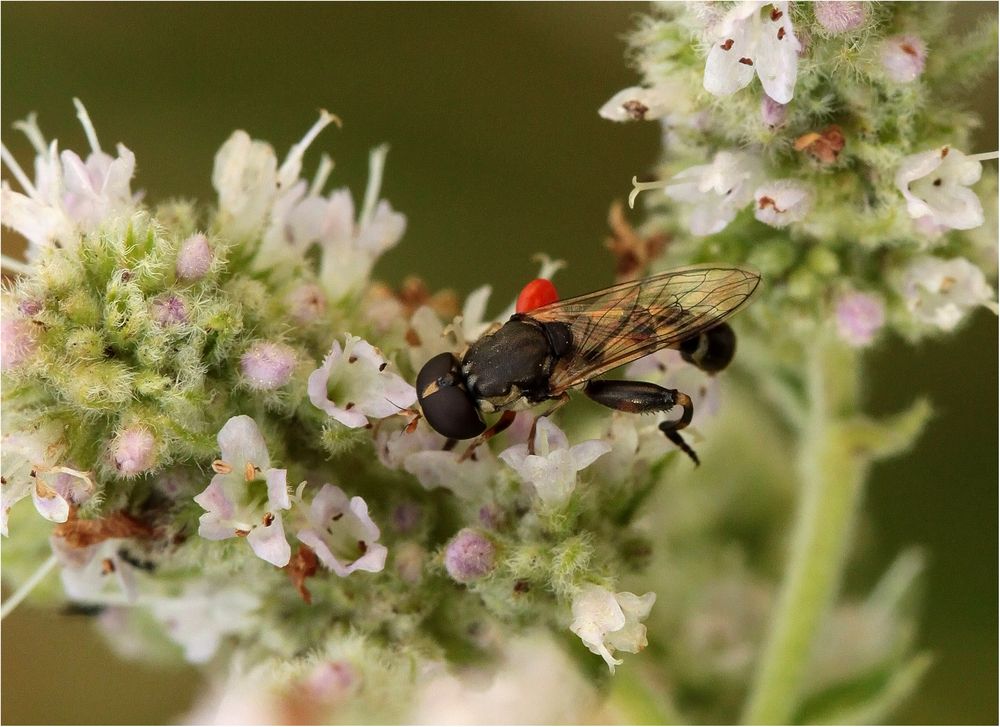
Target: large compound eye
[(447, 407)]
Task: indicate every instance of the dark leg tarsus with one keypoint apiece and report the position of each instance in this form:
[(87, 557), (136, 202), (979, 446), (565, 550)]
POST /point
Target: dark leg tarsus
[(640, 397)]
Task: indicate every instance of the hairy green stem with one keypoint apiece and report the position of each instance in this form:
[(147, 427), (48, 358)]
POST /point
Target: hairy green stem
[(833, 475)]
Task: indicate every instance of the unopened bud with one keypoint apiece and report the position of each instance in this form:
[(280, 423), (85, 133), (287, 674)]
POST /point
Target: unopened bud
[(469, 556), (268, 365), (194, 257)]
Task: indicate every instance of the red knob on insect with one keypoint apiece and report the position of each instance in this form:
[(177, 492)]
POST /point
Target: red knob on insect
[(535, 294)]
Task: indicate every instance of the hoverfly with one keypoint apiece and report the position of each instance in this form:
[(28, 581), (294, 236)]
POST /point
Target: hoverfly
[(541, 354)]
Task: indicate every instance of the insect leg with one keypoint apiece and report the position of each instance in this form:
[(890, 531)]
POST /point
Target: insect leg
[(640, 397), (505, 420)]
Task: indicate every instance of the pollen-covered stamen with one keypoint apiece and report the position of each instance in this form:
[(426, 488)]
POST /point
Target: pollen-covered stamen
[(746, 61), (221, 468), (776, 14), (107, 567), (728, 45), (250, 472), (268, 519)]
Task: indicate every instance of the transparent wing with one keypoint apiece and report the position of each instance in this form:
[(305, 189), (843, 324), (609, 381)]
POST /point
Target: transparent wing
[(617, 325)]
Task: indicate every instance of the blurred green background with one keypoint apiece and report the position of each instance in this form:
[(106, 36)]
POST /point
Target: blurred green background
[(497, 153)]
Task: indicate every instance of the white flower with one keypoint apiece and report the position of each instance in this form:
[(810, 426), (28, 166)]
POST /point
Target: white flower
[(782, 202), (716, 191), (936, 185), (70, 196), (249, 181), (203, 614), (746, 42), (353, 384), (635, 104), (349, 246), (94, 573), (552, 468), (940, 292), (29, 468), (421, 453), (246, 177), (607, 622), (342, 534), (246, 495)]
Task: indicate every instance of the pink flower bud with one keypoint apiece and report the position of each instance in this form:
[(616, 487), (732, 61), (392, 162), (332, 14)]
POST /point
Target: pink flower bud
[(29, 307), (469, 556), (18, 342), (773, 113), (268, 365), (903, 57), (169, 310), (306, 303), (839, 17), (194, 258), (859, 317), (134, 451)]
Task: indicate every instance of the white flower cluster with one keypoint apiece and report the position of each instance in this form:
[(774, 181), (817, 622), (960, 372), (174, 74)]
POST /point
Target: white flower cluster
[(751, 39)]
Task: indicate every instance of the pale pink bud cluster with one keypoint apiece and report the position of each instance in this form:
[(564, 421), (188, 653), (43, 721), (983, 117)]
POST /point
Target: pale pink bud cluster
[(194, 257), (268, 365), (469, 556), (134, 451), (839, 17), (170, 310)]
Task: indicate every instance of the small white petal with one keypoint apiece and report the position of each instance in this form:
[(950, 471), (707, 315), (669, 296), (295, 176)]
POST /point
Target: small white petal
[(724, 72), (635, 104), (240, 441), (268, 542)]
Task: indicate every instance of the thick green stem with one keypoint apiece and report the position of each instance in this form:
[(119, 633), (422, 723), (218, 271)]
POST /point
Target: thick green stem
[(833, 474)]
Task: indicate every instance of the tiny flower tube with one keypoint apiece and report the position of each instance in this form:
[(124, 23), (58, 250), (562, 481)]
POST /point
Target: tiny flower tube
[(539, 292), (469, 556)]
